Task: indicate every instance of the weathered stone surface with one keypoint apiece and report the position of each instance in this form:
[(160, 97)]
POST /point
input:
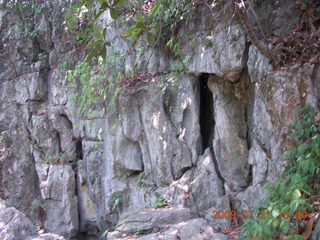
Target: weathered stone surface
[(149, 145), (277, 94), (87, 209), (230, 131), (259, 161), (151, 220), (219, 204), (63, 126), (220, 50), (206, 187), (19, 183), (29, 87), (258, 65), (47, 236), (14, 224), (61, 203), (250, 197), (196, 228)]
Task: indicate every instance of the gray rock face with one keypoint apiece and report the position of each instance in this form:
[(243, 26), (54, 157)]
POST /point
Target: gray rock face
[(70, 173), (230, 131), (277, 94), (196, 228), (215, 47), (47, 236), (206, 187), (58, 192), (151, 220), (14, 224)]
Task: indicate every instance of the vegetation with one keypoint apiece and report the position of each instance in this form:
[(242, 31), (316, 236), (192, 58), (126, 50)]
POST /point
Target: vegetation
[(140, 181), (26, 27), (117, 201), (290, 198), (88, 80), (160, 202), (59, 158)]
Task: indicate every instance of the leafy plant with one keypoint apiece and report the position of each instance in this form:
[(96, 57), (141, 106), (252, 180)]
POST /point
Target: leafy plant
[(161, 202), (140, 232), (26, 25), (295, 191), (117, 201), (142, 177), (59, 158)]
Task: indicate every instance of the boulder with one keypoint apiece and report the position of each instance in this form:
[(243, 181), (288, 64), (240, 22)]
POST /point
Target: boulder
[(14, 225), (151, 220)]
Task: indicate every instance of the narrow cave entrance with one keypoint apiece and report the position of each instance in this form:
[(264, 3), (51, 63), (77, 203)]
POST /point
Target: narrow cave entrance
[(79, 149), (206, 111)]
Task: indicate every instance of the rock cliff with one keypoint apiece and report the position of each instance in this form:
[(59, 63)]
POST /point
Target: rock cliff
[(211, 139)]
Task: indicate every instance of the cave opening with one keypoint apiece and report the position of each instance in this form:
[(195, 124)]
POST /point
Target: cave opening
[(79, 149), (206, 112)]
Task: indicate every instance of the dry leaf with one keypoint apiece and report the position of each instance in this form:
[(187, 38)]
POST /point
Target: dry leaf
[(317, 119), (308, 229)]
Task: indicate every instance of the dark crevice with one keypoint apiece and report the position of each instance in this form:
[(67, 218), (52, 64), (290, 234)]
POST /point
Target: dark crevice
[(207, 120), (245, 55), (59, 141), (79, 150), (206, 111)]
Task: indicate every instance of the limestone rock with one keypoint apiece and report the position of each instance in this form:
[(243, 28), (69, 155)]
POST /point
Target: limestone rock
[(14, 224), (230, 131), (151, 220), (29, 87), (220, 204), (196, 228), (220, 50), (87, 209), (206, 187), (61, 203), (47, 236)]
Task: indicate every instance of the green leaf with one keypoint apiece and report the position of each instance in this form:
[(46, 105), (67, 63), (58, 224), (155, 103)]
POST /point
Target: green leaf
[(102, 1), (114, 14), (94, 53), (104, 32), (104, 6), (131, 31), (98, 15), (151, 38), (139, 18), (135, 38), (154, 10), (97, 35), (93, 44), (119, 2), (103, 52), (140, 25), (156, 25)]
